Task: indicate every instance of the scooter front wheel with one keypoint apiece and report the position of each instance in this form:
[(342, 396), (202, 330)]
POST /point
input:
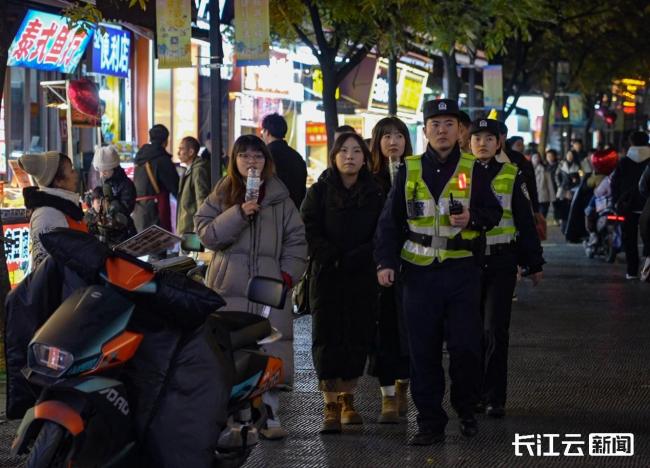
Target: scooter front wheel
[(51, 448)]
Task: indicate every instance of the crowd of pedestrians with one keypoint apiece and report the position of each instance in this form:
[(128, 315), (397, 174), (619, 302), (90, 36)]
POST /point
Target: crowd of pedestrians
[(402, 252)]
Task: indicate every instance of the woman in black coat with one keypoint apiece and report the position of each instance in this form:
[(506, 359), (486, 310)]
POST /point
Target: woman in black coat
[(340, 214), (389, 361)]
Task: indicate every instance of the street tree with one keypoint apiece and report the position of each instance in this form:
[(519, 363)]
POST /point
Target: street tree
[(339, 34), (475, 25)]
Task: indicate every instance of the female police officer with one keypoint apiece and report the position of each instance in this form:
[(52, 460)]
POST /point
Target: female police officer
[(513, 242)]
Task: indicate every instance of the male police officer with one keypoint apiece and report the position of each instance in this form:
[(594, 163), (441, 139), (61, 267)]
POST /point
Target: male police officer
[(434, 218), (513, 242)]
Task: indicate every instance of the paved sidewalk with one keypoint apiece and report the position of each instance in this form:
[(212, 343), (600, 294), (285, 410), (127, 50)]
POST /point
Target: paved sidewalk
[(579, 364)]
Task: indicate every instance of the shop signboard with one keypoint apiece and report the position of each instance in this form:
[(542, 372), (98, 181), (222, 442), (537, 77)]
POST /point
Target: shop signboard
[(379, 98), (45, 42), (411, 90), (277, 80), (111, 51), (16, 228), (493, 86), (252, 32), (410, 87), (174, 33), (316, 133)]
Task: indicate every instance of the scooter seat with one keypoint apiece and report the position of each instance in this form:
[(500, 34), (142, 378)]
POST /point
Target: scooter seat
[(242, 328)]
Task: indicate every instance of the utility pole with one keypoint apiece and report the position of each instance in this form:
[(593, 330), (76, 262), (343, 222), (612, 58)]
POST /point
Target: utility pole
[(216, 62)]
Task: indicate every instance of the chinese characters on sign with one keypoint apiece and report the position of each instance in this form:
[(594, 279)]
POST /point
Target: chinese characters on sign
[(252, 32), (174, 32), (16, 228), (573, 445), (316, 133), (45, 42), (111, 50)]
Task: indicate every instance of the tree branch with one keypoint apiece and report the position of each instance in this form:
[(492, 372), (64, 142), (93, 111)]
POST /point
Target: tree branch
[(304, 38), (321, 40)]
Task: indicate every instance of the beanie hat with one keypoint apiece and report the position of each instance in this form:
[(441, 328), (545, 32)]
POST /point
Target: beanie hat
[(41, 166), (158, 133), (106, 158)]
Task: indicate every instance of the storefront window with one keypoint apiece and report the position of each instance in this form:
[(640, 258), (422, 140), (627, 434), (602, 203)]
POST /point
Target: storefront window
[(15, 140), (162, 112), (36, 143)]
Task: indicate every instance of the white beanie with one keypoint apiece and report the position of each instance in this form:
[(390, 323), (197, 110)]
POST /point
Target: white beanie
[(106, 158)]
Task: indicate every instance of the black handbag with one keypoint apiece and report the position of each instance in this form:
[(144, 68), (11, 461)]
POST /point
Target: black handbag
[(300, 293)]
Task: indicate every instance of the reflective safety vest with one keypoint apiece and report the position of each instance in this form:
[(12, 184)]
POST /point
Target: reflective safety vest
[(431, 235), (503, 185)]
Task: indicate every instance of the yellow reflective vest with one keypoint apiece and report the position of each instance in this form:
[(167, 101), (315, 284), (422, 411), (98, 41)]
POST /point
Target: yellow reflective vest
[(503, 185), (431, 234)]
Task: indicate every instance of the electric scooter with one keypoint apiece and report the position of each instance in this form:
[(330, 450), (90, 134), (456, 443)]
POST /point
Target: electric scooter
[(82, 416)]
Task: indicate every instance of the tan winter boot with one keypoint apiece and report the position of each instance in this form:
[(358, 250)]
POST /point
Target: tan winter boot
[(348, 414), (332, 419), (389, 413), (401, 393)]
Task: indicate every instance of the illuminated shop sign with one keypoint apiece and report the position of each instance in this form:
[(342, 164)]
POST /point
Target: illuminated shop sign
[(111, 51), (16, 228), (410, 87), (45, 42)]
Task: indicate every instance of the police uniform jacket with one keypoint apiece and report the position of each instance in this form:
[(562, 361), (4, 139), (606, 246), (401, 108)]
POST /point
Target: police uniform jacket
[(392, 229)]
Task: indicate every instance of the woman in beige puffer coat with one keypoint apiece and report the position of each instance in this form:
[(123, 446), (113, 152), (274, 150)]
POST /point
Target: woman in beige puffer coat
[(264, 237)]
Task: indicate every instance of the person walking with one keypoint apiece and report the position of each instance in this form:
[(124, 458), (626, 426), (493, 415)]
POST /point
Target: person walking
[(389, 361), (257, 237), (513, 242), (545, 185), (435, 218), (627, 199), (644, 221), (289, 165), (552, 166), (194, 185), (340, 214), (54, 203), (155, 178), (567, 178)]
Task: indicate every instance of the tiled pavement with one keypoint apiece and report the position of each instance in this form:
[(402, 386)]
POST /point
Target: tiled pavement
[(578, 365)]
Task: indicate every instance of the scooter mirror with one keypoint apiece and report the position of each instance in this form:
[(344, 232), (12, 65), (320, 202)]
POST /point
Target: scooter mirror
[(267, 291), (190, 242)]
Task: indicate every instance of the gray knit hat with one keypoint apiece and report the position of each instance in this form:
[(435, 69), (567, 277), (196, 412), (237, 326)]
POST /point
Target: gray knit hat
[(41, 166)]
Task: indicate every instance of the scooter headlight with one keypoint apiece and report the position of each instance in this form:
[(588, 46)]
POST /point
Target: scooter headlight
[(56, 360)]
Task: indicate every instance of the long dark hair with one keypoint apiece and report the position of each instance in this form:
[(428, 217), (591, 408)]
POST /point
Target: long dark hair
[(339, 143), (232, 188), (386, 125)]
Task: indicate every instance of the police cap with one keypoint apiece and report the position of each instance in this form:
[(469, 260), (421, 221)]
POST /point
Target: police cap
[(440, 107), (485, 125)]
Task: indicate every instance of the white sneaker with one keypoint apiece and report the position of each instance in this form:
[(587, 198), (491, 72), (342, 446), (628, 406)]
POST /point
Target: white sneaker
[(631, 277)]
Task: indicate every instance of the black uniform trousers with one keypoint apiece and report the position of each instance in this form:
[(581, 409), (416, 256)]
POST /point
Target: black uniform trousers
[(498, 281), (438, 298), (630, 234)]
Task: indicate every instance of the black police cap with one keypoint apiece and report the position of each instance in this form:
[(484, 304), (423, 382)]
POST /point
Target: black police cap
[(440, 107), (485, 125)]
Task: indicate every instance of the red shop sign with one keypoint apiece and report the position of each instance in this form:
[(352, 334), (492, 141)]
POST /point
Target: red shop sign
[(316, 133)]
